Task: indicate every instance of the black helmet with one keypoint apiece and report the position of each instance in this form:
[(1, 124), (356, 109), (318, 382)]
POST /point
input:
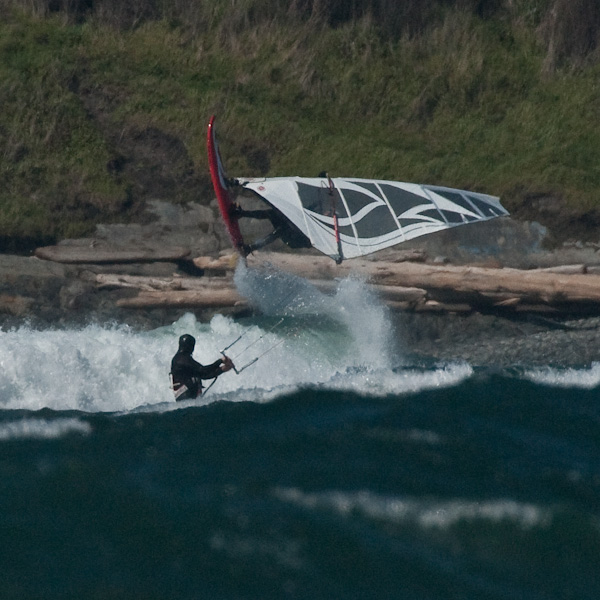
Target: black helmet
[(187, 343)]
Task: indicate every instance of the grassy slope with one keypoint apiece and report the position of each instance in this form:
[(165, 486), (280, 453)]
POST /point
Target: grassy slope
[(465, 104)]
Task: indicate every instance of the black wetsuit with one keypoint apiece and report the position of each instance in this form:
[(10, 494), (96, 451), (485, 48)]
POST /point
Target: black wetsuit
[(185, 371), (283, 229)]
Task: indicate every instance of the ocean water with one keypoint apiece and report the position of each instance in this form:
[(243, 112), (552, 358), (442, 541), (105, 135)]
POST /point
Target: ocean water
[(335, 466)]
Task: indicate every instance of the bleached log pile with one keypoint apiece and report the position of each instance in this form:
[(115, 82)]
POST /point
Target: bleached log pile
[(405, 285), (537, 289), (215, 298)]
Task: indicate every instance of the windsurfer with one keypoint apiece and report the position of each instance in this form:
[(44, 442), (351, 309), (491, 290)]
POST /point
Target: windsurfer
[(187, 374), (283, 229)]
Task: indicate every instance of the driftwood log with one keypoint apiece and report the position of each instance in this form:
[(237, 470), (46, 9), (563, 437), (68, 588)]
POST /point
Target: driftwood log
[(500, 287), (157, 284), (404, 285), (212, 298), (190, 292)]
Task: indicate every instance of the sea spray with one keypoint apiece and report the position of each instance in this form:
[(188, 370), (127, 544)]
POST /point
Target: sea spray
[(114, 368), (302, 339), (275, 292), (353, 307), (368, 322)]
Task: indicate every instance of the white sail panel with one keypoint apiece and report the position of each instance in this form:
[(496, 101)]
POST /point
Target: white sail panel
[(371, 214)]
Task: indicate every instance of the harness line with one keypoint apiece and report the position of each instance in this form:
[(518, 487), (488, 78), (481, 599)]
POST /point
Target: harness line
[(238, 371), (258, 338), (261, 355)]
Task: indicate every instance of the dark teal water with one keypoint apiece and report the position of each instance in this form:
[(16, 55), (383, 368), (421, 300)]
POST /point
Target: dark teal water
[(330, 468), (487, 487)]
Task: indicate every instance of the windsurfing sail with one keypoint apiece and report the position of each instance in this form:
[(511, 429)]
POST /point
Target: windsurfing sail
[(351, 217)]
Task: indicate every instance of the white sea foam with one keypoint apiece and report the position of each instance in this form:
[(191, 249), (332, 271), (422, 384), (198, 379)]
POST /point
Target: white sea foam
[(426, 514), (115, 369), (381, 382), (43, 429), (585, 378), (339, 342), (90, 369)]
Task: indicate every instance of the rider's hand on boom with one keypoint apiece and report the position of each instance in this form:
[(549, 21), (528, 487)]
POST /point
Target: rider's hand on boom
[(227, 364)]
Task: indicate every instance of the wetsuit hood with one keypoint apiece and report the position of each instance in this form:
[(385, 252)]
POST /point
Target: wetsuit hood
[(187, 343)]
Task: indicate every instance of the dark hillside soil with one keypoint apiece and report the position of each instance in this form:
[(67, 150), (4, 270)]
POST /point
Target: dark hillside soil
[(154, 163), (564, 223)]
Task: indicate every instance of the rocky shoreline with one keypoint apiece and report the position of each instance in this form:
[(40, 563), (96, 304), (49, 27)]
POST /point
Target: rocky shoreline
[(45, 293)]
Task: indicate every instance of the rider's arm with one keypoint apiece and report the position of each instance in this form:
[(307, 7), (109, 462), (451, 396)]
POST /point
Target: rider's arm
[(205, 371)]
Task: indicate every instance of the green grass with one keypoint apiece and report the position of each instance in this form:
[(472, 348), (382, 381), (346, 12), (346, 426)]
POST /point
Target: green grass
[(465, 102), (52, 156)]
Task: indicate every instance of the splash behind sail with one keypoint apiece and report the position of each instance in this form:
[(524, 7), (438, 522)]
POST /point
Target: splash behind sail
[(371, 214)]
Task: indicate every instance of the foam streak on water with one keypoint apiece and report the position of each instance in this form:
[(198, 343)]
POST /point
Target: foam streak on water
[(424, 513), (585, 378), (43, 429)]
